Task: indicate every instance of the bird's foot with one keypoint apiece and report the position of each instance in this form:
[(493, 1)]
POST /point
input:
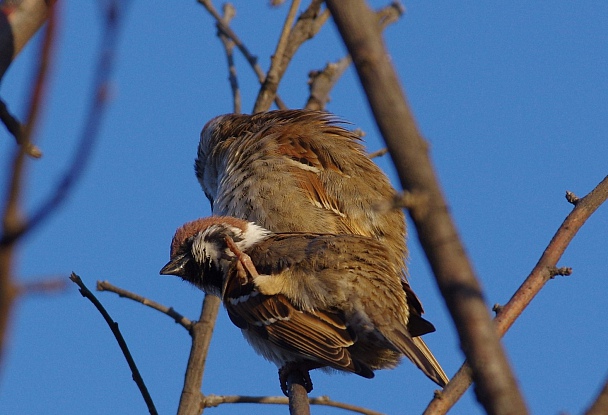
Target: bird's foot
[(296, 373), (245, 268)]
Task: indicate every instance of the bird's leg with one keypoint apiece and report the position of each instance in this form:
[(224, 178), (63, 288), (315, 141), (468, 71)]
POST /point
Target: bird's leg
[(298, 371), (244, 265)]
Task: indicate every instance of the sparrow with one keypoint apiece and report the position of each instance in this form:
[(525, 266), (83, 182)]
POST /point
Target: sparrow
[(306, 300), (297, 171)]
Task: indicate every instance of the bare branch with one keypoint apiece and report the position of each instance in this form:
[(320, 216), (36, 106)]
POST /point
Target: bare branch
[(271, 83), (542, 272), (215, 400), (85, 292), (179, 319), (229, 13), (192, 399), (25, 18), (12, 220), (378, 153), (46, 286), (600, 405), (297, 394), (322, 82), (496, 388), (105, 61), (253, 60)]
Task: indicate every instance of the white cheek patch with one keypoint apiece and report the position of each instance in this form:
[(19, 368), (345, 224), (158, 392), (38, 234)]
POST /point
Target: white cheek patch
[(203, 251)]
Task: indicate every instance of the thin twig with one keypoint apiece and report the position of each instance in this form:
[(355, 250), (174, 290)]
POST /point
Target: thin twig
[(85, 292), (229, 13), (46, 286), (216, 400), (191, 401), (179, 319), (271, 83), (497, 389), (14, 127), (542, 272), (251, 59), (105, 62), (322, 82), (306, 27), (378, 153)]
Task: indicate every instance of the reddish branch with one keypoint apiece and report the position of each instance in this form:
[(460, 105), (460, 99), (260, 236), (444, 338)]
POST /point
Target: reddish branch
[(544, 270), (12, 215), (496, 389)]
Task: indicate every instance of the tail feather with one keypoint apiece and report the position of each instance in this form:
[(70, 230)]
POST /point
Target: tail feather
[(418, 352)]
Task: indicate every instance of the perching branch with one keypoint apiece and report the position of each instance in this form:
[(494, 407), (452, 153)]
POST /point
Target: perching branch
[(496, 389), (543, 271), (85, 292), (215, 400), (192, 399)]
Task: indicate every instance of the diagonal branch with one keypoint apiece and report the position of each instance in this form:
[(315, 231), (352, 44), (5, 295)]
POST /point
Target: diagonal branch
[(85, 292), (179, 319), (271, 83), (321, 82), (600, 406), (251, 59), (497, 389), (542, 272), (229, 13)]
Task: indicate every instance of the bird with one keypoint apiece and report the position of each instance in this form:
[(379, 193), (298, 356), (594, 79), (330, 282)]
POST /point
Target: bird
[(298, 171), (306, 300)]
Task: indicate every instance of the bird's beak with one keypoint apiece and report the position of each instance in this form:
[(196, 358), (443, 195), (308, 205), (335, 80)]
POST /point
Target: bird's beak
[(177, 266)]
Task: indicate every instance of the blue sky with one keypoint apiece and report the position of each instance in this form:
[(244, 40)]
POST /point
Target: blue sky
[(512, 98)]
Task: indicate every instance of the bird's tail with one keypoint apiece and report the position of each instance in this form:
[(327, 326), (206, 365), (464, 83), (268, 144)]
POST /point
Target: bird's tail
[(418, 352)]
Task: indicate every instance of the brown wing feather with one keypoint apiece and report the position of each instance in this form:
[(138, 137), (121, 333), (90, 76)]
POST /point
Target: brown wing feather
[(321, 336)]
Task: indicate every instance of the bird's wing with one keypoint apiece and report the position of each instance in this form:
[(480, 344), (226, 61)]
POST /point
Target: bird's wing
[(321, 337)]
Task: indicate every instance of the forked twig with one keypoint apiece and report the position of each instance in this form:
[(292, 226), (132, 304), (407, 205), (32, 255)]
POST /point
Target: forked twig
[(251, 59)]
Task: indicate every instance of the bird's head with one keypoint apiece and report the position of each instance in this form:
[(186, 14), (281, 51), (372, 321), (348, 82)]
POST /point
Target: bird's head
[(200, 253)]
